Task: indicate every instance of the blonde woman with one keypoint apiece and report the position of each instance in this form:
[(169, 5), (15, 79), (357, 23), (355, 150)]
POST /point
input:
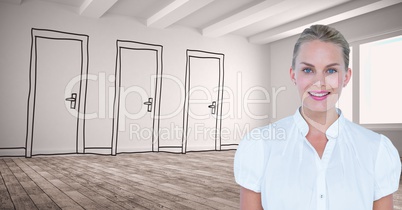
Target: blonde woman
[(323, 161)]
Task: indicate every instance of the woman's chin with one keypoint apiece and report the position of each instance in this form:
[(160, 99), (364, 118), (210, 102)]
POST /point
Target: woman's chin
[(318, 106)]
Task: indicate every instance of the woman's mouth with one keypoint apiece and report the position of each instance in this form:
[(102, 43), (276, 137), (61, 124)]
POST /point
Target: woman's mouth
[(319, 95)]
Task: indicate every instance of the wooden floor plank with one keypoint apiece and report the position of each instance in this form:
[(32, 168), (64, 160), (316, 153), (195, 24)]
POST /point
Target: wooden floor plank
[(17, 193), (43, 201), (5, 198), (57, 197), (140, 192)]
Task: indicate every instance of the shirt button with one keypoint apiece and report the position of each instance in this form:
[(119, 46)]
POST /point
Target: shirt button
[(321, 196)]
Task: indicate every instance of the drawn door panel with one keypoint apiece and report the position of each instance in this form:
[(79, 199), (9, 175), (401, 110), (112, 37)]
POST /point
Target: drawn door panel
[(56, 94), (204, 99), (137, 101)]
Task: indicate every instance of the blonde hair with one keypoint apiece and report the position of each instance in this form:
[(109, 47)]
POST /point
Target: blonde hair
[(325, 34)]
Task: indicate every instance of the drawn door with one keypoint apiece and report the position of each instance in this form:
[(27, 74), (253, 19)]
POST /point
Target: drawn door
[(138, 67), (204, 97), (56, 94)]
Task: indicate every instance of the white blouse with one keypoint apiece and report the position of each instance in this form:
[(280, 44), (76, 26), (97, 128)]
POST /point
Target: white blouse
[(358, 166)]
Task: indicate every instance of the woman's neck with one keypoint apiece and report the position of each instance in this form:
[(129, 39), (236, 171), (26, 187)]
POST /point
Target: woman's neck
[(319, 121)]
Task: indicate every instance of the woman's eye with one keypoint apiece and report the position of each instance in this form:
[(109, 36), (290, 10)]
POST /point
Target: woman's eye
[(331, 71), (307, 70)]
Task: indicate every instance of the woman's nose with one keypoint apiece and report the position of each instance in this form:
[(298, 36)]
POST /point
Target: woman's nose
[(320, 81)]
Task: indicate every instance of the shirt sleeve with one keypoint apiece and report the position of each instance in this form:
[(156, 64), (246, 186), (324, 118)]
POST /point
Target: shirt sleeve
[(249, 163), (387, 169)]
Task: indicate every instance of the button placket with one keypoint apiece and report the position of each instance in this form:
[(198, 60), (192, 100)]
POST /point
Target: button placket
[(321, 187), (322, 165)]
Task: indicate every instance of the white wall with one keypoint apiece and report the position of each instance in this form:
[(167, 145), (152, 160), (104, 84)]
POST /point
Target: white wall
[(365, 26), (245, 70)]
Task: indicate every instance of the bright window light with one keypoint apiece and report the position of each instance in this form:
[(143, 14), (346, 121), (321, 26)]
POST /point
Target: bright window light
[(380, 81)]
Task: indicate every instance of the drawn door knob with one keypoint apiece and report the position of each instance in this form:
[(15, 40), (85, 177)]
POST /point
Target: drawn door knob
[(212, 107), (149, 104), (72, 100)]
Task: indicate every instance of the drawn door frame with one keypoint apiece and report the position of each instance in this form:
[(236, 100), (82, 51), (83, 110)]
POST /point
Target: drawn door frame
[(57, 35), (124, 44), (218, 121)]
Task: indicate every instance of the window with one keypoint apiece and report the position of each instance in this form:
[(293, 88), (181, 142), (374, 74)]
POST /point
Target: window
[(380, 94)]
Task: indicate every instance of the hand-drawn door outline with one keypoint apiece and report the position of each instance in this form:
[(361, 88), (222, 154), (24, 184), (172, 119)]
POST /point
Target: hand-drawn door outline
[(215, 106), (75, 100), (153, 101)]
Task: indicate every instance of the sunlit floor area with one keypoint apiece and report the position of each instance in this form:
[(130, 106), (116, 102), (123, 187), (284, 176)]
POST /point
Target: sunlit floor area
[(197, 180)]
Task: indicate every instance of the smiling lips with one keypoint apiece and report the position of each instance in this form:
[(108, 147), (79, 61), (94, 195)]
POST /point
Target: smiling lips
[(319, 95)]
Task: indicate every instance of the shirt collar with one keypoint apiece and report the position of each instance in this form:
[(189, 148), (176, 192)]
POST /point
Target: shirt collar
[(331, 133)]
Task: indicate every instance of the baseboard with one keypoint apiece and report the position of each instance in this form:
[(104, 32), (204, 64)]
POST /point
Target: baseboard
[(98, 150), (12, 152), (134, 150)]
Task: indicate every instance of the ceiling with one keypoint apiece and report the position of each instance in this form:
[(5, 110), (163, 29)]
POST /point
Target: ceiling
[(260, 21)]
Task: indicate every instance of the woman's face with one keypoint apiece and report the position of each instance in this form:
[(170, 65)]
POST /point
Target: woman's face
[(320, 75)]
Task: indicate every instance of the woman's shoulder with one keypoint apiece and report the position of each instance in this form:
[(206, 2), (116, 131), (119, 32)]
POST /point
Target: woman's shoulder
[(363, 134), (260, 140), (367, 139), (275, 131)]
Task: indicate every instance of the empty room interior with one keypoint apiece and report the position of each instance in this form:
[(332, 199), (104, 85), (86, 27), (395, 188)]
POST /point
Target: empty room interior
[(142, 104)]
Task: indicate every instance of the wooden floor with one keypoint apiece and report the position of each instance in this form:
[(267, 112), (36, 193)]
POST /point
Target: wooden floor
[(198, 180)]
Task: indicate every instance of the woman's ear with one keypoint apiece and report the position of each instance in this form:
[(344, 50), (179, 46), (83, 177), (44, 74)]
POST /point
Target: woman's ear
[(347, 77), (292, 75)]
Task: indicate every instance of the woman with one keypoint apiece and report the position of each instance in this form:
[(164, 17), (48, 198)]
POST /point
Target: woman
[(323, 161)]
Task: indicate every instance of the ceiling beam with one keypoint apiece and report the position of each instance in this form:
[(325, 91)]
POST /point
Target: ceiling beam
[(174, 12), (249, 16), (96, 8), (326, 17)]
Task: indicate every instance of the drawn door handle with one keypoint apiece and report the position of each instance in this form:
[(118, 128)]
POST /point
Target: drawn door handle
[(212, 107), (72, 100), (149, 104)]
